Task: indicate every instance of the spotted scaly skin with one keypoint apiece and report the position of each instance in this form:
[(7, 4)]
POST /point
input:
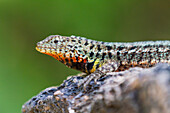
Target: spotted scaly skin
[(97, 57)]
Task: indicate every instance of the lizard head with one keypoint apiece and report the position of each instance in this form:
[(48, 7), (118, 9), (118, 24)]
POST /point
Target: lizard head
[(72, 51)]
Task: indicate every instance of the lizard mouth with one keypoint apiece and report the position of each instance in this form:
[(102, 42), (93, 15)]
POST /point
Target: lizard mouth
[(40, 49), (44, 49)]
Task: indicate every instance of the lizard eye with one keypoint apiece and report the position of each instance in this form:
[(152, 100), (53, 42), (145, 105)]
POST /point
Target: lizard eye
[(55, 41)]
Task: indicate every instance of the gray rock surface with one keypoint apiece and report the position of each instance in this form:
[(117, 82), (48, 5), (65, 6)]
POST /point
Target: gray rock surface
[(136, 90)]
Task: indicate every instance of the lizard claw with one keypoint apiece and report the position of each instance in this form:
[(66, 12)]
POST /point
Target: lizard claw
[(86, 81)]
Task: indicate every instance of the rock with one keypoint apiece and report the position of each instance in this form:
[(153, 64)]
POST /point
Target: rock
[(136, 90)]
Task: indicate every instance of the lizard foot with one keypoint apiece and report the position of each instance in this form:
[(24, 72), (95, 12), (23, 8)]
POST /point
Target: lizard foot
[(108, 67)]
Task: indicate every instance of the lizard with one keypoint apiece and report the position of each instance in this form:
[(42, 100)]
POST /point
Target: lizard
[(97, 57)]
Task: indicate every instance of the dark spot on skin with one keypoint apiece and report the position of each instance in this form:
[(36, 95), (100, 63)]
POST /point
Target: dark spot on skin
[(133, 54), (73, 40), (52, 90), (157, 50), (34, 99), (120, 63), (143, 53), (76, 58), (141, 64), (79, 41), (97, 54), (98, 46), (118, 55), (91, 41), (125, 52), (70, 55), (161, 46), (131, 57), (102, 42), (70, 46), (110, 55), (103, 56), (140, 59), (125, 67), (29, 102), (55, 41), (85, 51), (150, 65), (149, 52), (132, 48), (66, 60), (86, 43), (79, 51), (109, 47), (120, 74), (91, 54), (91, 47), (97, 66), (153, 46), (146, 46), (80, 46), (120, 48)]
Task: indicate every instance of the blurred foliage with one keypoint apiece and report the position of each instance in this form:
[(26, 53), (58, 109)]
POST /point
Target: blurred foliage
[(24, 72)]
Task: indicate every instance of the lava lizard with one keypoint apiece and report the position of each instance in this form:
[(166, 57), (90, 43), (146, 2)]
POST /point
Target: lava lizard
[(97, 58)]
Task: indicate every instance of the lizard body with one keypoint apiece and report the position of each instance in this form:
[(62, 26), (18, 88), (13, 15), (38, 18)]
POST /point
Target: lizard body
[(88, 55)]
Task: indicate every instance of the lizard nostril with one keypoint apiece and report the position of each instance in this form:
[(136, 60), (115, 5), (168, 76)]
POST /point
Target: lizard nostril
[(39, 43)]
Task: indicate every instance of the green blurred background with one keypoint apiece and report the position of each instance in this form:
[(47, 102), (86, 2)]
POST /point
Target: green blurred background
[(24, 72)]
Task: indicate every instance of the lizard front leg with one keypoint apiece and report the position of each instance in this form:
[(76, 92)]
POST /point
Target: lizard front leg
[(110, 66)]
